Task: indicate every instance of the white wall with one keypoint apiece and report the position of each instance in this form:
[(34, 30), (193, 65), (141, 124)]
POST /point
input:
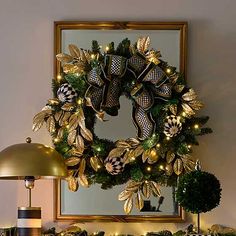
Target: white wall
[(26, 69)]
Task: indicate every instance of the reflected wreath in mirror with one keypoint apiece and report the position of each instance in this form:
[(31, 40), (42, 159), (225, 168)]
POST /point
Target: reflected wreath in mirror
[(164, 113)]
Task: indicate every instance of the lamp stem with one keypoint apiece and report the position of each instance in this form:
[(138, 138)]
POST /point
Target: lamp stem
[(29, 197)]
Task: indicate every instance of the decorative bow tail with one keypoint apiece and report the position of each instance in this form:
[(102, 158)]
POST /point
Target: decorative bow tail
[(144, 99), (105, 85)]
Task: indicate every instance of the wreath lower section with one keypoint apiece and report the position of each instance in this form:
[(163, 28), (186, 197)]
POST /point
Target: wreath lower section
[(164, 110)]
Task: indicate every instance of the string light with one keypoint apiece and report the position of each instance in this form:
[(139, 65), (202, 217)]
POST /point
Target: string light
[(183, 114), (168, 70), (98, 166), (67, 126), (99, 149), (158, 145), (79, 101), (189, 146), (59, 77), (56, 140), (167, 138), (107, 48), (92, 56), (132, 158), (149, 168), (161, 167), (196, 126)]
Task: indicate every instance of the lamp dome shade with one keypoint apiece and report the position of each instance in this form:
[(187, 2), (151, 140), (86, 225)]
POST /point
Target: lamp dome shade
[(31, 159)]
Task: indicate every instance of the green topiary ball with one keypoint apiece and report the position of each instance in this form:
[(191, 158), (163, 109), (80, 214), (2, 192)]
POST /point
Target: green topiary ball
[(198, 191)]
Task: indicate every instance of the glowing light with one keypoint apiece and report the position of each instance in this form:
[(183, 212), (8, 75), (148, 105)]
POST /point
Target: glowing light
[(146, 181), (168, 70), (158, 145), (56, 140), (116, 234), (149, 168), (99, 149), (168, 138), (98, 166), (189, 146), (161, 167), (132, 158), (196, 126), (67, 126), (59, 77), (107, 48), (183, 114), (92, 56), (79, 101)]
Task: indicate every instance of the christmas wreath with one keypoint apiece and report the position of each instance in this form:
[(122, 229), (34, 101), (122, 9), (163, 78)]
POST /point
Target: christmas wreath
[(164, 110)]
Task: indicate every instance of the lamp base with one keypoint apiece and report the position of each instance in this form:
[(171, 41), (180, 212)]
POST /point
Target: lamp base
[(29, 221)]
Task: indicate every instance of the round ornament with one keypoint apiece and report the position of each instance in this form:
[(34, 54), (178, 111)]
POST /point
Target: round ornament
[(198, 191), (172, 126), (114, 165), (66, 93)]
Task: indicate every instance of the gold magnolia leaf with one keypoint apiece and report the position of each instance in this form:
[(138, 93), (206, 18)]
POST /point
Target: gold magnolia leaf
[(170, 156), (179, 88), (139, 201), (68, 107), (60, 133), (145, 155), (153, 156), (146, 190), (190, 95), (79, 143), (87, 55), (64, 118), (83, 180), (75, 152), (82, 167), (128, 205), (124, 195), (173, 109), (123, 144), (83, 56), (50, 124), (64, 58), (155, 189), (58, 115), (71, 69), (126, 157), (196, 105), (169, 169), (71, 137), (73, 184), (74, 51), (174, 78), (94, 162), (116, 152), (87, 134), (133, 142), (187, 109), (73, 122), (138, 151), (38, 119), (143, 44), (188, 163), (53, 101), (133, 186), (72, 161), (81, 118), (178, 166)]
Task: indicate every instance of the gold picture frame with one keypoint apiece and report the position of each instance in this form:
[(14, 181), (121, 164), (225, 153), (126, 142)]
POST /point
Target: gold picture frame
[(73, 25)]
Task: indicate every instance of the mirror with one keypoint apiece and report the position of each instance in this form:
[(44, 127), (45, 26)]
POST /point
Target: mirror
[(94, 203)]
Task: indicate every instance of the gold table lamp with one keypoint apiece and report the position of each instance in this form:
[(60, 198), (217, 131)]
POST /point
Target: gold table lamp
[(30, 161)]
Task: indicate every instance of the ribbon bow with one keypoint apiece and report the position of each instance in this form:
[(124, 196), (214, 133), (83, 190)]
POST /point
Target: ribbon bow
[(104, 90)]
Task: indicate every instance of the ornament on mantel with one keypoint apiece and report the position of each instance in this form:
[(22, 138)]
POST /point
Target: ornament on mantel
[(66, 93), (172, 126)]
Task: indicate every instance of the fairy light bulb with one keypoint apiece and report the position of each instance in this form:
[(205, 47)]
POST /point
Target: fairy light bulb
[(168, 70), (99, 149), (183, 114), (167, 138), (132, 158), (56, 140), (92, 56), (161, 167), (79, 101), (158, 145), (196, 126), (107, 48), (67, 126), (59, 77), (149, 168), (189, 146), (98, 166)]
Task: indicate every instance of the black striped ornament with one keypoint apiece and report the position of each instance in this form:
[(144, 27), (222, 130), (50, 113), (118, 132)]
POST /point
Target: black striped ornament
[(29, 221)]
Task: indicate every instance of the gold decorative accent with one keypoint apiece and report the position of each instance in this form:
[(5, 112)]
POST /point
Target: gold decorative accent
[(143, 44), (72, 161), (178, 166), (38, 119)]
